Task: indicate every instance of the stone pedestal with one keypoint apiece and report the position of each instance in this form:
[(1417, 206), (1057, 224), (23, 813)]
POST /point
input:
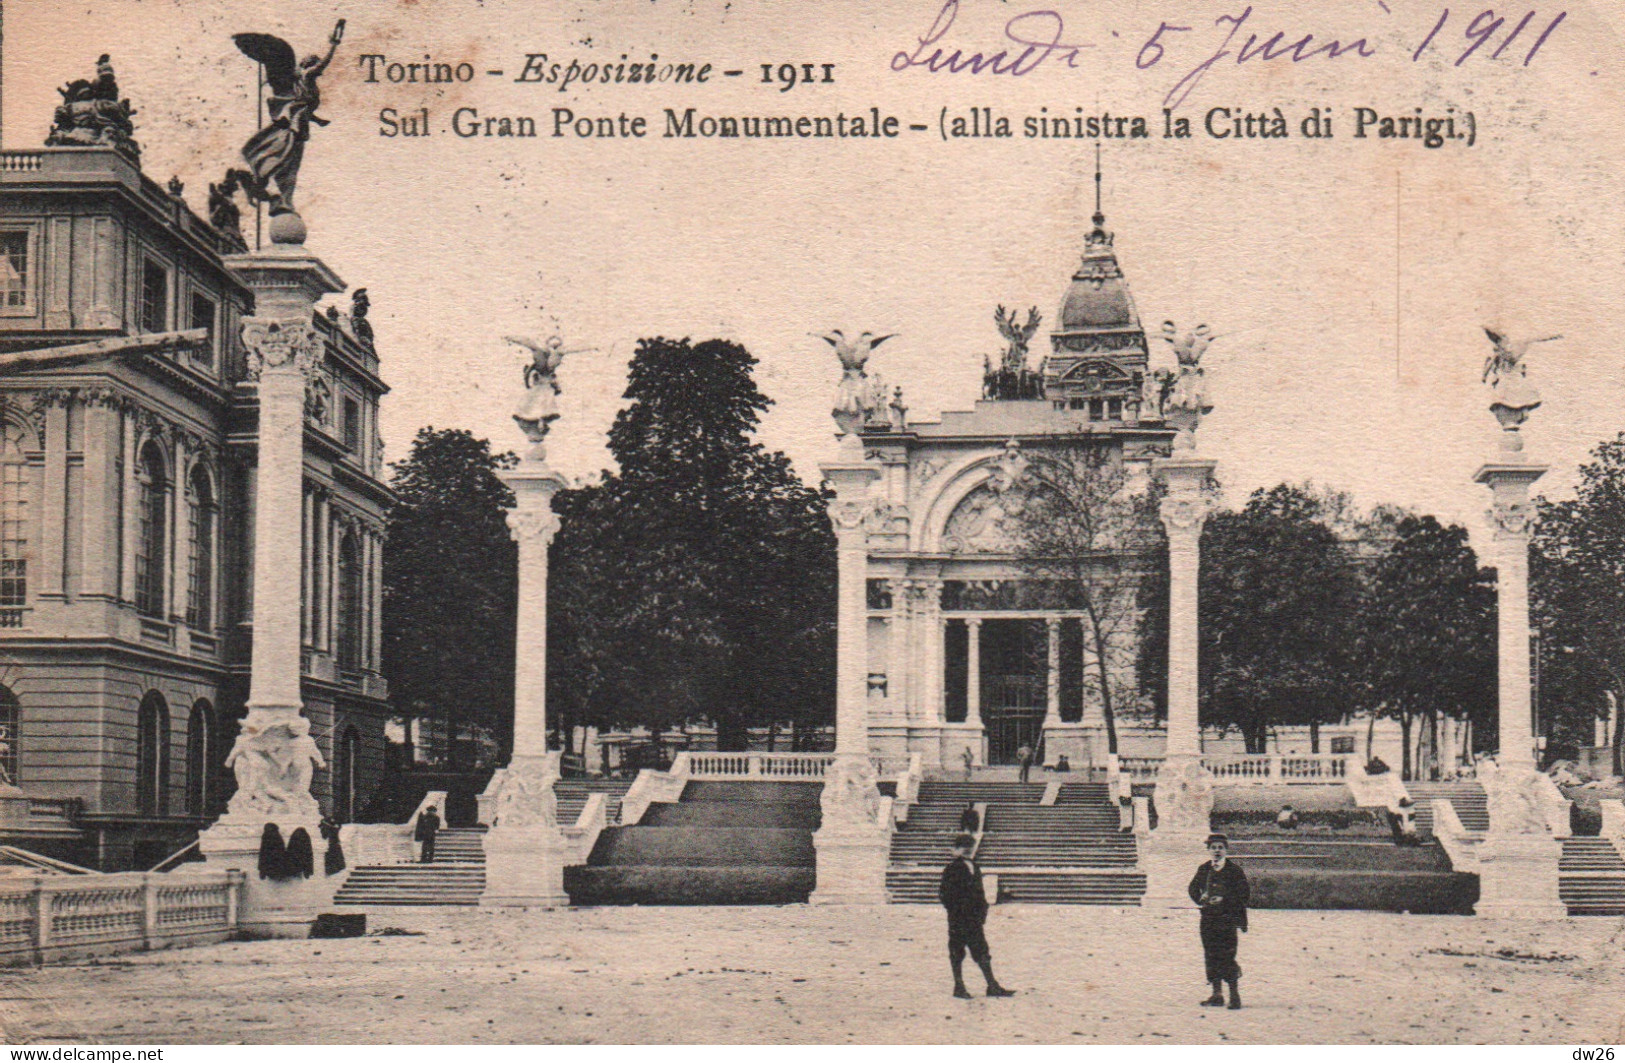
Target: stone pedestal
[(283, 908), (1075, 741), (853, 844), (525, 851), (274, 755), (1517, 876)]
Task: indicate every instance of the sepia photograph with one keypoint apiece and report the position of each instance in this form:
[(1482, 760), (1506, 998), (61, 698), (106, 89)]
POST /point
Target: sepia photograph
[(722, 522)]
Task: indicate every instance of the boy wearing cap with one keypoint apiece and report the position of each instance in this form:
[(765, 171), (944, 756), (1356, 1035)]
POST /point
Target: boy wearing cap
[(1219, 888), (961, 893)]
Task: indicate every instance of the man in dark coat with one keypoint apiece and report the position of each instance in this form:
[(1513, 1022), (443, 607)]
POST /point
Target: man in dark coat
[(961, 893), (428, 824), (1219, 888)]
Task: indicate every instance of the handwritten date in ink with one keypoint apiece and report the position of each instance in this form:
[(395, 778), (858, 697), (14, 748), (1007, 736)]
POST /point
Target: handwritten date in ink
[(1484, 26)]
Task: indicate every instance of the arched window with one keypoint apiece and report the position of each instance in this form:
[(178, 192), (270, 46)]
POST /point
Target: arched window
[(151, 512), (11, 718), (199, 757), (344, 773), (349, 606), (200, 511), (15, 492), (152, 756)]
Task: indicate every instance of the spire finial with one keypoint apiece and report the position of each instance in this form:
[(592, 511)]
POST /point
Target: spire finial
[(1100, 218)]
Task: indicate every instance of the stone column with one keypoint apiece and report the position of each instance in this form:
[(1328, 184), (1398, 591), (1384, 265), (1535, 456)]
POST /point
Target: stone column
[(1052, 672), (1184, 788), (853, 843), (973, 671), (274, 756), (525, 851), (1518, 859)]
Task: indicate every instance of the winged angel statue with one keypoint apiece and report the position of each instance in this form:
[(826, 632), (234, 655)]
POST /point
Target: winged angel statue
[(273, 154)]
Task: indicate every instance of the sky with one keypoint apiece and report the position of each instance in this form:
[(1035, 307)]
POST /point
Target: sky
[(1349, 279)]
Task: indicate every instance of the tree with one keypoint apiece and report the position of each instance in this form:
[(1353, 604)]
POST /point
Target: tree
[(1577, 592), (1428, 646), (1082, 532), (1278, 615), (698, 581), (449, 587)]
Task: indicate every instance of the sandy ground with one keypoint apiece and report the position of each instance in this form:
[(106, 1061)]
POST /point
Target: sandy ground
[(802, 974)]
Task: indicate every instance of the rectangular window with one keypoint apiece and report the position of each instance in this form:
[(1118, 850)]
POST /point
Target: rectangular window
[(154, 298), (14, 498), (203, 317), (16, 280), (352, 425)]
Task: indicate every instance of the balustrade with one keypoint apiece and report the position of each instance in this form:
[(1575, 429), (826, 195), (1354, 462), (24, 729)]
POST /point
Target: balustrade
[(45, 917)]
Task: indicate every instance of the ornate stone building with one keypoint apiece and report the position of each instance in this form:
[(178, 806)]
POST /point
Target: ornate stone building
[(128, 437), (969, 646)]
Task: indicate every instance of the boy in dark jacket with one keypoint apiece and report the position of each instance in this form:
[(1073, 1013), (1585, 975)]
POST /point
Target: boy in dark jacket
[(1219, 888), (961, 894)]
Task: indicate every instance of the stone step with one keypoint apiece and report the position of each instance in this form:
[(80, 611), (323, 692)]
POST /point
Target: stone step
[(677, 885), (774, 793), (703, 847), (1593, 895)]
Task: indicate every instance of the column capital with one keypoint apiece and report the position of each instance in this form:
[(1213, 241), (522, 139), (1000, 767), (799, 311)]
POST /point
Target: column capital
[(1511, 514), (973, 622), (528, 523), (275, 344)]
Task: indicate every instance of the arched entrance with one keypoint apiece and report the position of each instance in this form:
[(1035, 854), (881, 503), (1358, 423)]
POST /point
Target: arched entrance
[(1015, 685)]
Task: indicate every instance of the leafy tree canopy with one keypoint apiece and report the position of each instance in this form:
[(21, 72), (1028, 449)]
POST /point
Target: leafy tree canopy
[(449, 590), (698, 581)]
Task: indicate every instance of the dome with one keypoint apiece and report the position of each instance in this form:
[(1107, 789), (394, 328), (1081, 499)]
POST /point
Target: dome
[(1098, 298)]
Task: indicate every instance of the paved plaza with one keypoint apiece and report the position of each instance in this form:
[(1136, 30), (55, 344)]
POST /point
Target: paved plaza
[(801, 974)]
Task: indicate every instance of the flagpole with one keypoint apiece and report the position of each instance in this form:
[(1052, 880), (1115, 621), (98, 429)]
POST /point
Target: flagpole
[(259, 123)]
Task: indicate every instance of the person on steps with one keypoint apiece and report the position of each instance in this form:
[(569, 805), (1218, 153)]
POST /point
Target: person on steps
[(1219, 888), (961, 894), (428, 826)]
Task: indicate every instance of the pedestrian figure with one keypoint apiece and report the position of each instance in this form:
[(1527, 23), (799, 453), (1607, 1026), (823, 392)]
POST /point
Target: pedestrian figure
[(1287, 818), (969, 821), (969, 760), (1062, 764), (333, 859), (1024, 757), (301, 854), (428, 824), (1219, 888), (961, 893), (273, 861)]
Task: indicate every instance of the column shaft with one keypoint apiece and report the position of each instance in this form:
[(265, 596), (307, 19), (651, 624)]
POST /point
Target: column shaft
[(973, 671), (277, 515)]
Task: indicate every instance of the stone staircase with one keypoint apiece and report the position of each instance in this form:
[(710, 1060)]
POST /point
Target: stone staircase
[(455, 877), (573, 793), (722, 843), (1072, 852), (1467, 795), (1591, 877)]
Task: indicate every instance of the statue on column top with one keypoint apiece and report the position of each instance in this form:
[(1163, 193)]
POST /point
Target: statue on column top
[(1185, 402), (273, 155), (1512, 397), (855, 400), (540, 406)]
